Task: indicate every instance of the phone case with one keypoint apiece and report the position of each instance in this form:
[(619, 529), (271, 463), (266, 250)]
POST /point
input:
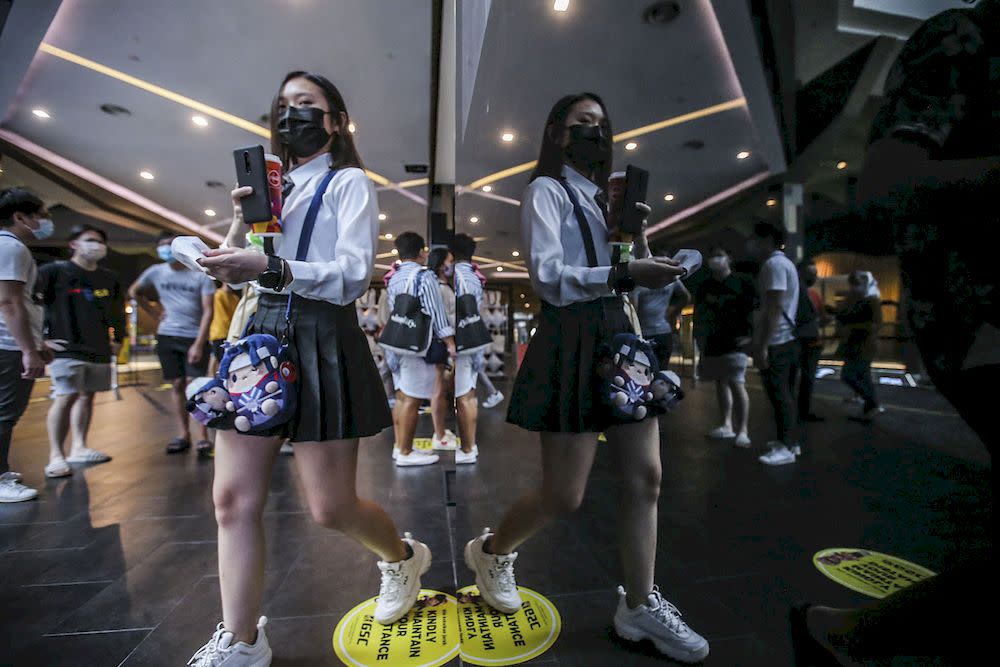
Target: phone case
[(251, 169), (636, 182)]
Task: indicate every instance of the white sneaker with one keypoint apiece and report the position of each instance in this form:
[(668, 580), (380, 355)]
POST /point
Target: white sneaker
[(287, 449), (494, 575), (12, 491), (462, 458), (493, 400), (778, 456), (875, 412), (395, 451), (660, 622), (401, 583), (796, 449), (448, 443), (221, 652), (415, 458), (742, 441), (722, 433)]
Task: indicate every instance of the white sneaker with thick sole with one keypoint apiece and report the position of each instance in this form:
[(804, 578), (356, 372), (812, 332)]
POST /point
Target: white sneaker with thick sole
[(493, 400), (401, 582), (415, 458), (287, 449), (742, 441), (12, 491), (721, 433), (465, 458), (660, 622), (448, 443), (778, 456), (874, 412), (220, 651), (494, 575)]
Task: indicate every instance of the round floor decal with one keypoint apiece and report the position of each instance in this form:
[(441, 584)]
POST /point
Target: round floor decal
[(490, 638), (869, 572), (425, 637)]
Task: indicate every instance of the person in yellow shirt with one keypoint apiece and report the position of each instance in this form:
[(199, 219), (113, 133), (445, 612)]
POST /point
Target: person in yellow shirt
[(226, 300)]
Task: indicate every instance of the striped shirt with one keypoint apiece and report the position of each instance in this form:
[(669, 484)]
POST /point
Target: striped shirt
[(430, 296), (467, 282)]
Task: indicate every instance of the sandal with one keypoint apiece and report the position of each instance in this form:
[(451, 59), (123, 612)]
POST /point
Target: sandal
[(58, 468), (178, 445), (88, 455), (205, 449)]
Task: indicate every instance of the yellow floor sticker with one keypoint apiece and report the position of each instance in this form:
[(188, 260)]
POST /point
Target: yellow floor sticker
[(425, 637), (425, 444), (491, 638), (869, 572)]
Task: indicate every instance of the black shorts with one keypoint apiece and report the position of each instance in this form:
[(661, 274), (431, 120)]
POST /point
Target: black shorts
[(173, 351)]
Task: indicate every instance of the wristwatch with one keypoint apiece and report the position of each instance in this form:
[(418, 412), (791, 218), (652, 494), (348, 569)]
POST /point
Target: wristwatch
[(273, 277), (620, 280)]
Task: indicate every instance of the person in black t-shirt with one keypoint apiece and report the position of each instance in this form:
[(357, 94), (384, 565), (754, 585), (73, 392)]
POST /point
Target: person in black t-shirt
[(83, 305), (723, 311)]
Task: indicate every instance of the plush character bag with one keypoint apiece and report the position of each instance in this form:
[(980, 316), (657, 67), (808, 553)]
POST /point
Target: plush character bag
[(632, 385), (255, 389)]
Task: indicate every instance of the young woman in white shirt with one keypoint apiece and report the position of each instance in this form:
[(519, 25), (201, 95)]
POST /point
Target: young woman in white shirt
[(340, 396), (556, 391)]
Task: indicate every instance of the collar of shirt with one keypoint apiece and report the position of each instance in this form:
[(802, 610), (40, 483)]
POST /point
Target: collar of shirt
[(580, 182), (776, 253), (304, 172)]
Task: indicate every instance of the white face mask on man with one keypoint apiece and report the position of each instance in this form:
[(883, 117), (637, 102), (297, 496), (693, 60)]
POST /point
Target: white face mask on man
[(92, 250)]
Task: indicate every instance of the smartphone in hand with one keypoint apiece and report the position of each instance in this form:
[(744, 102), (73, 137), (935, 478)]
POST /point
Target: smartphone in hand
[(251, 169)]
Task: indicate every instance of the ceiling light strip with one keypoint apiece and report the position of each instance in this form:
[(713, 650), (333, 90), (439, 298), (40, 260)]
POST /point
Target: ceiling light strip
[(183, 100), (714, 199), (487, 195), (107, 184), (489, 263)]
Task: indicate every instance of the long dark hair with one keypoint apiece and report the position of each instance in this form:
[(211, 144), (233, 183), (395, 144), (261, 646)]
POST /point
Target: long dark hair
[(436, 258), (552, 155), (342, 148)]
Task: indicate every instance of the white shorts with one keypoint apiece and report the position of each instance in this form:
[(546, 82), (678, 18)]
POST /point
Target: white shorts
[(72, 376), (415, 377), (731, 367), (467, 373)]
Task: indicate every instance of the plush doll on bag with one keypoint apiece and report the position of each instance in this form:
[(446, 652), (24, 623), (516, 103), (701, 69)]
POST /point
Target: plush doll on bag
[(633, 385), (261, 386), (207, 401)]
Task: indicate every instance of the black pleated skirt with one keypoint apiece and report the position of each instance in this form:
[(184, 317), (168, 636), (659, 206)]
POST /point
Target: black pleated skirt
[(557, 389), (340, 393)]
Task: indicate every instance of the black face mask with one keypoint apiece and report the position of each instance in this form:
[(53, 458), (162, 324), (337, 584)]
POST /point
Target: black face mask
[(301, 129), (588, 144)]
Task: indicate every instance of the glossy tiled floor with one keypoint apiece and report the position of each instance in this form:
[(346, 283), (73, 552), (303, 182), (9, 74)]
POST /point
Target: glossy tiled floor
[(117, 565)]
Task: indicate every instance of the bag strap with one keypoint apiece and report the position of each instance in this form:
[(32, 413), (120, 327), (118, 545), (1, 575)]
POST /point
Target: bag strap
[(305, 236), (581, 219)]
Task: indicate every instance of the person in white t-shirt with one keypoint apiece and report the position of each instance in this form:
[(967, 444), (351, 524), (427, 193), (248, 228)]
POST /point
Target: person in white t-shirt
[(776, 349), (23, 355)]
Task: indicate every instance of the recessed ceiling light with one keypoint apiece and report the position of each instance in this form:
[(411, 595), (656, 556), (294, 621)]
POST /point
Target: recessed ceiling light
[(560, 5), (200, 121), (210, 212), (743, 155), (507, 136), (772, 202), (522, 296), (841, 165), (631, 146), (383, 216), (516, 254), (352, 128), (388, 237), (668, 197), (148, 175), (395, 251), (487, 188), (474, 219), (41, 113), (499, 269)]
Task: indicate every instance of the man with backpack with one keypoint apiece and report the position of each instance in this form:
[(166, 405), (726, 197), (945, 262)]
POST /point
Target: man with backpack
[(414, 378)]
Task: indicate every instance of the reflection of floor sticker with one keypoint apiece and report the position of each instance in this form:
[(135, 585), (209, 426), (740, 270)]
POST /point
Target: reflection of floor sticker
[(491, 638), (601, 437), (425, 637), (425, 444), (869, 572)]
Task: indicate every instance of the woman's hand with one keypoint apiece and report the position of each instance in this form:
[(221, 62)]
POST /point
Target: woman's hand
[(655, 272), (234, 265), (232, 238)]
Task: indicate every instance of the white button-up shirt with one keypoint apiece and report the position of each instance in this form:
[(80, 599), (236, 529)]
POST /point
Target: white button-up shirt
[(341, 256), (557, 263)]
